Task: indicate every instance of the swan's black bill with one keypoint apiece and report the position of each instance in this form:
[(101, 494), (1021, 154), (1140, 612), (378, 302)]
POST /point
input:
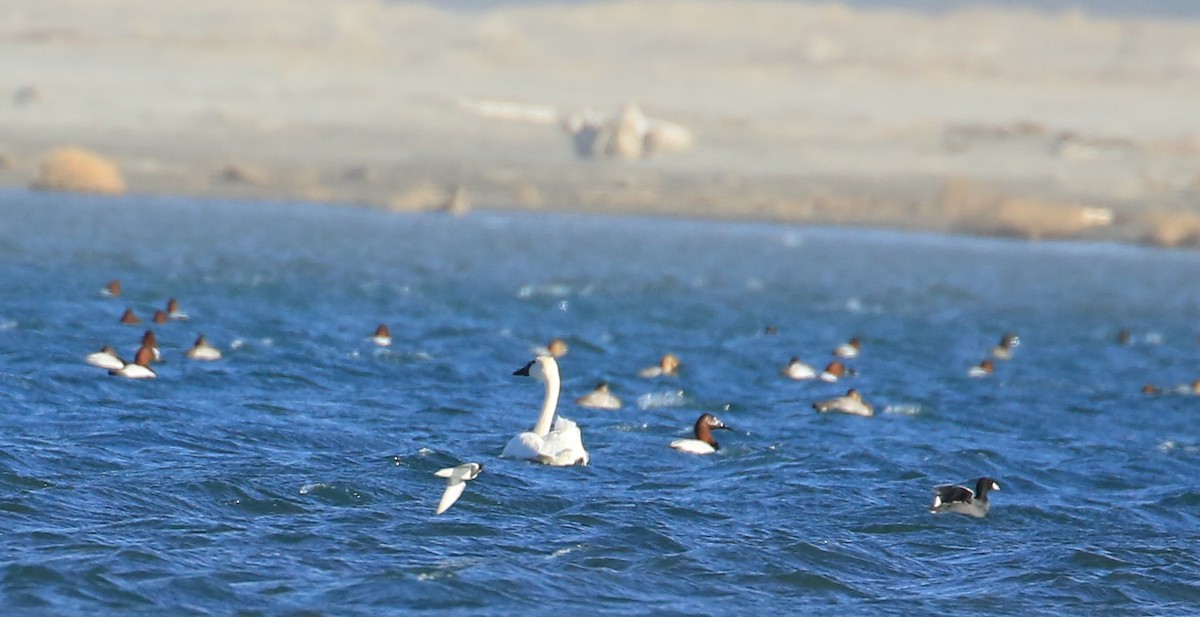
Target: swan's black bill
[(524, 370)]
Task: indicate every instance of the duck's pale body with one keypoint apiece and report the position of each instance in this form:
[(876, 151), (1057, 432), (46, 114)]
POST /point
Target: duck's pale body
[(983, 369), (668, 366), (382, 336), (106, 358), (599, 398), (692, 446), (203, 351), (852, 404), (1004, 350), (798, 370), (834, 371), (139, 368), (848, 349)]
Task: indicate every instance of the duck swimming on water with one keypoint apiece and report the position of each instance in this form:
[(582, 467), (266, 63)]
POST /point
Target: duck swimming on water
[(139, 368), (797, 370), (668, 365), (704, 442), (852, 404), (105, 358), (962, 500), (599, 398)]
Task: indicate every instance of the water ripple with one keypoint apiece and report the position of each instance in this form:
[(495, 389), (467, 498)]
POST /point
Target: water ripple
[(296, 475)]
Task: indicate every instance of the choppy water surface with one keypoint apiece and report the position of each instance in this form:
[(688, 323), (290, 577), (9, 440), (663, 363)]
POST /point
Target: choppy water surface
[(296, 475)]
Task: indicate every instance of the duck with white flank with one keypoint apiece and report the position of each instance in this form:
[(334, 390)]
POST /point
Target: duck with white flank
[(382, 336), (960, 499), (560, 446), (151, 341), (849, 349), (456, 482), (1008, 344), (173, 310), (797, 370), (852, 404), (105, 358), (201, 350), (668, 365), (139, 368), (836, 370), (983, 369), (704, 442), (599, 398)]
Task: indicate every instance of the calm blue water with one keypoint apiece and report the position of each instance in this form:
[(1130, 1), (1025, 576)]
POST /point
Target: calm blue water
[(296, 475)]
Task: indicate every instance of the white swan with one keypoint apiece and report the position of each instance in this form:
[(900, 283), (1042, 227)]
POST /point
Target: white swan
[(456, 482), (560, 446)]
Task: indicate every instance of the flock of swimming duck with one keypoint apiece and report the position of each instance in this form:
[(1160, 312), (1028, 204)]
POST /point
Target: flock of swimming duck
[(108, 358), (555, 440)]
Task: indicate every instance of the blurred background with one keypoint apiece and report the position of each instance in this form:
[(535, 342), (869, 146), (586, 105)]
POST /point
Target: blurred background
[(1038, 119)]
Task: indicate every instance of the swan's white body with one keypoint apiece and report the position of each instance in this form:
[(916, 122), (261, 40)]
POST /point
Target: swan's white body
[(456, 482), (561, 445)]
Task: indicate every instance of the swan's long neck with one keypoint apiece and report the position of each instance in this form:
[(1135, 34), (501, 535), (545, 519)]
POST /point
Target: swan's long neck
[(546, 418)]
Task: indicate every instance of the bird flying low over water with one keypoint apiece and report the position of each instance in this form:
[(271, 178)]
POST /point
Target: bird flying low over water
[(456, 482)]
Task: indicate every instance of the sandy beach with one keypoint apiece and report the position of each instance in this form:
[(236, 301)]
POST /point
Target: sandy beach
[(985, 121)]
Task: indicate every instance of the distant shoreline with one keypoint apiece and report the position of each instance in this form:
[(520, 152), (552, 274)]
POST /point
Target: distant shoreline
[(985, 121), (1155, 9)]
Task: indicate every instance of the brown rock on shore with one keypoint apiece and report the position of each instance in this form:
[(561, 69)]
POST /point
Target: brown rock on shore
[(78, 170)]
